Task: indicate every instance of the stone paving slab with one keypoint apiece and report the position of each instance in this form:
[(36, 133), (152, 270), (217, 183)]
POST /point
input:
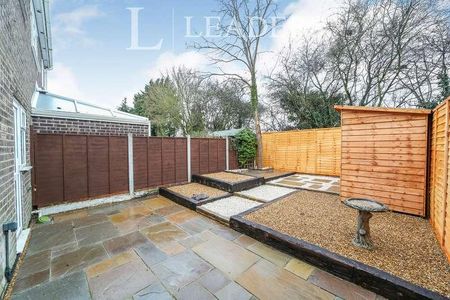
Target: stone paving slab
[(226, 256), (327, 184), (227, 207), (266, 193), (121, 282), (339, 287), (267, 281), (72, 287), (77, 260)]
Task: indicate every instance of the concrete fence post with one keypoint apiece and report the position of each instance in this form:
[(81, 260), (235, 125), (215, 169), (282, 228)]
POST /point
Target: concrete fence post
[(227, 153), (189, 166), (130, 164)]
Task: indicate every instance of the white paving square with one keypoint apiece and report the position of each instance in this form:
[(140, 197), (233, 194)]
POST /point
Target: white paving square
[(227, 207), (266, 193)]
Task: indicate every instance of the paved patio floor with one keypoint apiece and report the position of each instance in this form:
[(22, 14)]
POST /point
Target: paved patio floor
[(156, 249), (318, 183)]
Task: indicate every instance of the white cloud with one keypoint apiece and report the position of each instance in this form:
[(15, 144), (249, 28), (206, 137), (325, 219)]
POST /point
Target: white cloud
[(168, 60), (306, 18), (62, 81), (68, 27)]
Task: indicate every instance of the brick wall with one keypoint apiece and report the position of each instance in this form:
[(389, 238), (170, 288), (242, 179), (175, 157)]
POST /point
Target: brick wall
[(18, 75), (74, 126)]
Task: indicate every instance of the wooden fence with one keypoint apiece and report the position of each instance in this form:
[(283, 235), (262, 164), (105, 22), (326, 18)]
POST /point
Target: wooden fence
[(314, 151), (384, 156), (439, 175), (70, 168)]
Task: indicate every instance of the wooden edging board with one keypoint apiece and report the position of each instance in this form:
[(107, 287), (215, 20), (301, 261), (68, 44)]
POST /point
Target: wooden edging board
[(227, 186), (368, 277), (266, 180), (185, 201)]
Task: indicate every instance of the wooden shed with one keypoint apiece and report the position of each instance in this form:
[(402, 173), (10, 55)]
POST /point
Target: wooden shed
[(384, 156)]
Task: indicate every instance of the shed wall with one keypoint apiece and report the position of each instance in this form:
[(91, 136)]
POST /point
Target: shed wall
[(384, 157), (439, 175)]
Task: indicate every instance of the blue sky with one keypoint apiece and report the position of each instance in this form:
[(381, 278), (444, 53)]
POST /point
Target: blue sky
[(90, 41)]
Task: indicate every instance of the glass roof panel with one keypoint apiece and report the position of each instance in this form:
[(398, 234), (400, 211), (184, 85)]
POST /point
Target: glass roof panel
[(50, 102), (88, 109), (120, 114)]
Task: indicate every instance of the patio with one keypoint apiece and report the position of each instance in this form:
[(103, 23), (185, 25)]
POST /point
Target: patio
[(153, 248)]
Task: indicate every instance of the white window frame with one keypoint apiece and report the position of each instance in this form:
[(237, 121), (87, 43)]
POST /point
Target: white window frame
[(20, 133)]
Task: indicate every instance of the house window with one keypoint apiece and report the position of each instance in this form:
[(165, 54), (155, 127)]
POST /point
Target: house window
[(20, 132), (34, 34)]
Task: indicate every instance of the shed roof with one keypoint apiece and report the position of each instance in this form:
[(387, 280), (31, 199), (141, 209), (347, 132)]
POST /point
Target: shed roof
[(384, 109), (55, 106), (229, 132)]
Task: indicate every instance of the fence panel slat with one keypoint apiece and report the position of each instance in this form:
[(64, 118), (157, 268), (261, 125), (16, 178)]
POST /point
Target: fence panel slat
[(154, 161), (195, 156), (49, 170), (118, 164), (168, 161), (204, 156), (75, 168), (98, 166), (181, 159), (140, 158)]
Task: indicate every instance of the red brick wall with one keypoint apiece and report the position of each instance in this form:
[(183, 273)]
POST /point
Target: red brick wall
[(73, 126)]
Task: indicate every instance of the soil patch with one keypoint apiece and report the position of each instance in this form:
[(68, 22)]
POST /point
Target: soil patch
[(405, 245)]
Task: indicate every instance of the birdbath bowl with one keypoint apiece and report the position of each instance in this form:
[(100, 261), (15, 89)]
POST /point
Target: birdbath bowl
[(365, 209)]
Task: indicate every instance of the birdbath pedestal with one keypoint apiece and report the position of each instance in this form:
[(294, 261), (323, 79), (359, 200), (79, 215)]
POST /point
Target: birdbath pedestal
[(365, 209)]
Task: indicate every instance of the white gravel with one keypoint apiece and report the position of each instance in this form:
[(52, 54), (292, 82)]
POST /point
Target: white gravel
[(266, 193), (227, 207)]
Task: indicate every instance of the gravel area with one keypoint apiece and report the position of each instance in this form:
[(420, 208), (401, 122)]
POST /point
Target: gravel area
[(227, 207), (228, 177), (405, 245), (188, 190), (266, 193)]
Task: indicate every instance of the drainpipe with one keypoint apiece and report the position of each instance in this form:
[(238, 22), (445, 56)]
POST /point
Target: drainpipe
[(8, 227)]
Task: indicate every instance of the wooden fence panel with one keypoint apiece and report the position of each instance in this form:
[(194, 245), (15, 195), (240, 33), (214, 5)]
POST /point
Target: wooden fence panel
[(98, 166), (155, 162), (181, 159), (75, 168), (49, 169), (195, 156), (71, 168), (168, 161), (118, 164), (384, 156), (140, 162), (204, 156), (439, 182), (314, 151), (213, 156)]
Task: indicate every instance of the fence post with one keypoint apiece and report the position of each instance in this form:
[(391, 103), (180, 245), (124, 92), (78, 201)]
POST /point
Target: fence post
[(130, 164), (188, 147), (227, 153)]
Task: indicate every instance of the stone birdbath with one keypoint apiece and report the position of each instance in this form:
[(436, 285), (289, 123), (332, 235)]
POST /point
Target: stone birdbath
[(365, 209)]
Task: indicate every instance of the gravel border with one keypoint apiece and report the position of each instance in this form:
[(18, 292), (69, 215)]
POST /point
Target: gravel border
[(405, 245)]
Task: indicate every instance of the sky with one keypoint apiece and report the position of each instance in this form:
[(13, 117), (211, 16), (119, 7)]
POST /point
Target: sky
[(95, 59)]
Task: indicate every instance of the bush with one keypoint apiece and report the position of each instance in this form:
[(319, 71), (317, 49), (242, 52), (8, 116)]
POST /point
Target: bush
[(246, 146)]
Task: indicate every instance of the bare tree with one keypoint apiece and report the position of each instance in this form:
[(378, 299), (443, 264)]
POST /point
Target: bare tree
[(382, 53), (242, 27)]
